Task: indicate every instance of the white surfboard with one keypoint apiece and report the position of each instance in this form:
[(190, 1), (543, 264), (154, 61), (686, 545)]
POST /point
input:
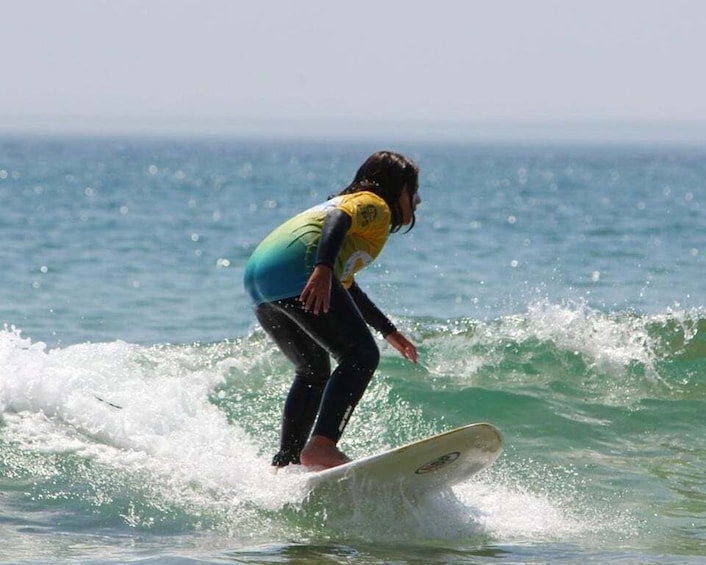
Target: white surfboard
[(426, 465)]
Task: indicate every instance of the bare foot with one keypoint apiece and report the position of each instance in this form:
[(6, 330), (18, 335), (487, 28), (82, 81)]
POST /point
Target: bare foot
[(321, 451)]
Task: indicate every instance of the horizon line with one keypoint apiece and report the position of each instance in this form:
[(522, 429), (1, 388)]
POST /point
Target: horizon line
[(351, 128)]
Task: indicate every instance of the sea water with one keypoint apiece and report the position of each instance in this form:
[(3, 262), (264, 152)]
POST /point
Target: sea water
[(554, 291)]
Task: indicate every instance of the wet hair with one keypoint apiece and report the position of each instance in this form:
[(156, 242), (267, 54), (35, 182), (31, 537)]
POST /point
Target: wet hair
[(386, 173)]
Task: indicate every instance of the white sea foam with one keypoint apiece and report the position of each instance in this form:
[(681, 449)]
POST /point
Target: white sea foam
[(134, 408)]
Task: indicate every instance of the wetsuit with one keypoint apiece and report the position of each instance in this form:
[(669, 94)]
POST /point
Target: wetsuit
[(345, 233)]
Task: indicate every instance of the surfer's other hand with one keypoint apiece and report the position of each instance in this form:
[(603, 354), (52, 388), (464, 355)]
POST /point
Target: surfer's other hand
[(403, 345)]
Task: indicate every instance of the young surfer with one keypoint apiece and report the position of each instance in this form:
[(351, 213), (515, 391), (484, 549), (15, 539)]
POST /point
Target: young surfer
[(301, 279)]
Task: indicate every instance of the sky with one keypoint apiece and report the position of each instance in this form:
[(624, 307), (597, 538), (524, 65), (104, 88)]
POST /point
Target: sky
[(446, 65)]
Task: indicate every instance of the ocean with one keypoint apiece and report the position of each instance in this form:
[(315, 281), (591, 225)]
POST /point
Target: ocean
[(553, 290)]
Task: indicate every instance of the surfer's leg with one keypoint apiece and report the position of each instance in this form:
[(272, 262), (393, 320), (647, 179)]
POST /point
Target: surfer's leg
[(356, 364), (312, 369), (344, 333)]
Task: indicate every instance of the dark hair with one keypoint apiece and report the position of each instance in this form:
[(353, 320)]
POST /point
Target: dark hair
[(386, 173)]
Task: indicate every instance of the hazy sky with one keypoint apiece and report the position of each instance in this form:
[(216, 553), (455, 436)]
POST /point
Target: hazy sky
[(213, 62)]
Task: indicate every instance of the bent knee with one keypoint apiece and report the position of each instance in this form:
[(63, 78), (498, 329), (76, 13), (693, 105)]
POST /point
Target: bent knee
[(371, 355), (365, 356)]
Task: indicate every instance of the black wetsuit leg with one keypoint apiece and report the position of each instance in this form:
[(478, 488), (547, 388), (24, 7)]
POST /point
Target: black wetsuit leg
[(306, 339), (312, 368)]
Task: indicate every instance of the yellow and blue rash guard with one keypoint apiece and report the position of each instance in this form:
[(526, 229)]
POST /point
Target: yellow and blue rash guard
[(282, 263)]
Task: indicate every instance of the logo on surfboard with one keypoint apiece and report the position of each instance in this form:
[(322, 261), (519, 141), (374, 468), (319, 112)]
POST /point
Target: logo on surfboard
[(438, 463)]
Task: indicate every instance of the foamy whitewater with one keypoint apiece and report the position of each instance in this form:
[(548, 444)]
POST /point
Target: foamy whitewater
[(554, 292)]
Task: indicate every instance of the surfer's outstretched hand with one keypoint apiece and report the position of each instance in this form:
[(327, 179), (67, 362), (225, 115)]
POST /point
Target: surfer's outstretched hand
[(403, 345)]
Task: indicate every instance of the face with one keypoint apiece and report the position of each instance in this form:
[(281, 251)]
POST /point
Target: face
[(408, 205)]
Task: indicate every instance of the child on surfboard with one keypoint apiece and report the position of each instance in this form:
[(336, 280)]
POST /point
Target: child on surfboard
[(301, 280)]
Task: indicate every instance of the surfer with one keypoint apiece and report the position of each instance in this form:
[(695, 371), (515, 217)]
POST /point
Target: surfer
[(301, 278)]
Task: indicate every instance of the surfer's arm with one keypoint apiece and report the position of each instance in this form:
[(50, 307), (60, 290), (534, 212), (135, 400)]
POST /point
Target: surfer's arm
[(316, 294), (371, 313), (376, 319)]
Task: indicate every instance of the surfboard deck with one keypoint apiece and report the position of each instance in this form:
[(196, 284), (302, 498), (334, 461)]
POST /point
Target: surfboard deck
[(419, 467)]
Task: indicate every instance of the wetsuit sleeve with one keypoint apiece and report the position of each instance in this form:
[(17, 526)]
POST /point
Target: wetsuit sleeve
[(371, 313), (333, 232)]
